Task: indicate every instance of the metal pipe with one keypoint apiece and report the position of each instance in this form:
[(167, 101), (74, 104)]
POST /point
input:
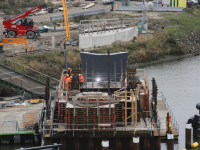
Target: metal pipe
[(108, 71)]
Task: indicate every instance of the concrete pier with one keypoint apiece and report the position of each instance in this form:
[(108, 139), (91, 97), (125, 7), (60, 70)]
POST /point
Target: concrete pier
[(106, 38)]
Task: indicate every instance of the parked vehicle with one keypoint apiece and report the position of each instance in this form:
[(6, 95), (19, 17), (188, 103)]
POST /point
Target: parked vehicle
[(107, 1), (43, 11), (17, 104), (23, 104), (60, 9), (190, 3), (195, 2), (52, 10)]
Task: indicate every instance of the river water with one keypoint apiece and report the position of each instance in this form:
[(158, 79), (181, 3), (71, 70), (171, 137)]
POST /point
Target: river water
[(180, 83)]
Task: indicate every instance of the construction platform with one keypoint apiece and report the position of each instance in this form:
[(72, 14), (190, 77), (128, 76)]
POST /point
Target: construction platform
[(19, 119), (89, 114)]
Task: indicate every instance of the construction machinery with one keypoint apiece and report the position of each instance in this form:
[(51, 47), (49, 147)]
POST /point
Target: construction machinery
[(19, 25), (66, 28), (11, 41)]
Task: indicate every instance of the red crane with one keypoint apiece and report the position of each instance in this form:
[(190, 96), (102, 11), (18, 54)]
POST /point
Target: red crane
[(21, 26)]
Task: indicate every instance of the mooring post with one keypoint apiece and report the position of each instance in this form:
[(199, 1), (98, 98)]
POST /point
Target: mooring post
[(105, 144), (188, 135), (36, 134), (170, 141), (136, 143)]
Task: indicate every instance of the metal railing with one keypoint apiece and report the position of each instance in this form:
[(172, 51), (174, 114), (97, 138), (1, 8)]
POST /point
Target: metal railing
[(28, 72), (173, 121), (105, 25), (95, 128), (17, 126)]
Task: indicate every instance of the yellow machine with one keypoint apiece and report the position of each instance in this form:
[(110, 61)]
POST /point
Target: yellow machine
[(66, 28), (66, 20), (11, 41)]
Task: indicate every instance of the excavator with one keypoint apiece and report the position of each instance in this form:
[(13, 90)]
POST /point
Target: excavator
[(19, 25), (11, 41), (66, 29)]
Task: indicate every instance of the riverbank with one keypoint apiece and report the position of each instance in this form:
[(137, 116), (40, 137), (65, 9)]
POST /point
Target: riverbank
[(166, 59)]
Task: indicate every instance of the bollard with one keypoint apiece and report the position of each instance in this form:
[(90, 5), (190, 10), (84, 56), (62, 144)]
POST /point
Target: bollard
[(105, 145), (37, 134), (170, 141), (188, 135), (136, 143), (53, 42)]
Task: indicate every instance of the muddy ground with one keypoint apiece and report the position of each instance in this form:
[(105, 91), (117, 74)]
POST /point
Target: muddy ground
[(44, 41)]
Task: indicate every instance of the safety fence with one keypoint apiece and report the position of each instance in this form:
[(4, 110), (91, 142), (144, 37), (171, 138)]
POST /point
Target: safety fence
[(95, 128), (98, 26), (28, 72), (173, 120), (17, 126)]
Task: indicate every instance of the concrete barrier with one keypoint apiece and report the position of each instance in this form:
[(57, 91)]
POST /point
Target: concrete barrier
[(130, 8), (107, 38)]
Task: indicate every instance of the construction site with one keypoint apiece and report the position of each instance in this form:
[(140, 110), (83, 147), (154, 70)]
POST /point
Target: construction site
[(113, 108)]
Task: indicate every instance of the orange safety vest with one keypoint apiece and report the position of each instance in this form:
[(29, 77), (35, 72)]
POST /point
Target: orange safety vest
[(69, 80), (65, 78), (81, 79)]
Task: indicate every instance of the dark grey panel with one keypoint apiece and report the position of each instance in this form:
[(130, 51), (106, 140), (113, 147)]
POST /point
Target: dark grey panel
[(100, 64)]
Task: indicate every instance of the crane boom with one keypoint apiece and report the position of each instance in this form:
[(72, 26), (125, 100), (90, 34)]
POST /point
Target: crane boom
[(66, 20), (24, 14), (66, 29)]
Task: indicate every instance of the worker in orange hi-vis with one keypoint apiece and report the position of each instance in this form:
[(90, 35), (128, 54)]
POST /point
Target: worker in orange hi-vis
[(69, 71), (81, 80), (69, 81), (64, 80), (65, 77)]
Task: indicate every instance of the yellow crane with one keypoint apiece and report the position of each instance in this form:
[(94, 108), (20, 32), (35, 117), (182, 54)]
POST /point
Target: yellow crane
[(66, 20), (66, 28)]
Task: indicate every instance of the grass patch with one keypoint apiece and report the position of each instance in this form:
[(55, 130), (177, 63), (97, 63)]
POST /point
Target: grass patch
[(183, 23), (50, 63)]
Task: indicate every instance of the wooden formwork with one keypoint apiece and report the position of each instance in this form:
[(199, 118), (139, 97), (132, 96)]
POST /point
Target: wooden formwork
[(83, 120), (130, 104)]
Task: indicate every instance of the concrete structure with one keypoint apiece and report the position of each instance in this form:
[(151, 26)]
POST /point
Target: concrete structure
[(125, 2), (107, 38), (150, 8), (14, 120), (82, 13)]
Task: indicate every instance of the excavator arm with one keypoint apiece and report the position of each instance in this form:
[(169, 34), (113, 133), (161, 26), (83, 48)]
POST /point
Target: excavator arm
[(23, 15)]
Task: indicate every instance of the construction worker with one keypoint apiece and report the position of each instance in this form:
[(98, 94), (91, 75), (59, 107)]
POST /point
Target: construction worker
[(70, 81), (81, 80), (67, 82), (69, 71), (64, 80)]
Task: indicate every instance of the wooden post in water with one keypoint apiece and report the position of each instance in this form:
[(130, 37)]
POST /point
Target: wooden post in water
[(188, 135), (136, 143)]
